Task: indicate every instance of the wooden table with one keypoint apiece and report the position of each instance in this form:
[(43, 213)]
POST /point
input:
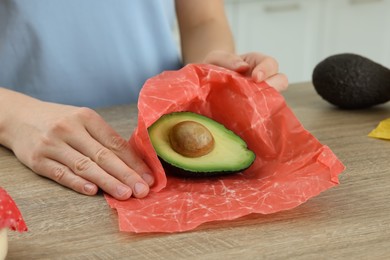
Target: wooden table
[(350, 221)]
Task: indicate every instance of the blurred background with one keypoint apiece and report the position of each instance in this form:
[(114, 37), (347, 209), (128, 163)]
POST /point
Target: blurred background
[(301, 33)]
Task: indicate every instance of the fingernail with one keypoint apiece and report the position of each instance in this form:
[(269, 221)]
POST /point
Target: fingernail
[(148, 178), (139, 188), (259, 76), (122, 190), (240, 63), (89, 188)]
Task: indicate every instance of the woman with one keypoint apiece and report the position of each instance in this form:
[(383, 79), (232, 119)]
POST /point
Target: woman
[(59, 57)]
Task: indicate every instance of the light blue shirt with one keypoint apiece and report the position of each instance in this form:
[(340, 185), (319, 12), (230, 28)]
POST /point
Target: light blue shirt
[(92, 53)]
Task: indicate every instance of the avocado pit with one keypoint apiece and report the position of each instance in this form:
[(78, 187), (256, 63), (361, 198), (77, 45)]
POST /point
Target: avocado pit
[(191, 139)]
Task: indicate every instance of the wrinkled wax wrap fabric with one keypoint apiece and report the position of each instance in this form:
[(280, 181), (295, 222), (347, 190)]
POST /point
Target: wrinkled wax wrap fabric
[(291, 166), (382, 131)]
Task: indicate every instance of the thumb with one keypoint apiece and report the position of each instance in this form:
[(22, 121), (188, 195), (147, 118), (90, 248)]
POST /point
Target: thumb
[(227, 60)]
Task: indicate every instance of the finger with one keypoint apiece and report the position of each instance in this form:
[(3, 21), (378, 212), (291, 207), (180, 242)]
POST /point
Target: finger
[(64, 176), (87, 169), (227, 60), (127, 154), (263, 66), (106, 136), (278, 81), (109, 162), (265, 69)]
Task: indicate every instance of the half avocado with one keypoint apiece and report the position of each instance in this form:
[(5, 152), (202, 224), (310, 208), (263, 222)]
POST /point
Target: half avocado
[(193, 145)]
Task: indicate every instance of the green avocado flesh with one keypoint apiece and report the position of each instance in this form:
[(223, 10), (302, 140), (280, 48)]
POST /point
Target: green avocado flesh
[(229, 154)]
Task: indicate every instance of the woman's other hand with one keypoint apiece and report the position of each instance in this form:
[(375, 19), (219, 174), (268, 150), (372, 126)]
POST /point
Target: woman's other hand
[(256, 65)]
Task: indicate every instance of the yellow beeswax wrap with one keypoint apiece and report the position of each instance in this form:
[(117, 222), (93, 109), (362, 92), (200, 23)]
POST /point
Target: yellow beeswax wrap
[(382, 131)]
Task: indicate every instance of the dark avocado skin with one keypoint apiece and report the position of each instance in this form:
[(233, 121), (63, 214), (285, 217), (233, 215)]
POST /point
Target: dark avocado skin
[(351, 81), (170, 169)]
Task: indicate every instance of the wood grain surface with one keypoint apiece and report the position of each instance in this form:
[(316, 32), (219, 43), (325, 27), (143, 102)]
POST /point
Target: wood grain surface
[(350, 221)]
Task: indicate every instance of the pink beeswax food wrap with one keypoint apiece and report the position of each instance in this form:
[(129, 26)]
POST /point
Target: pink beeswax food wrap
[(10, 216), (291, 165)]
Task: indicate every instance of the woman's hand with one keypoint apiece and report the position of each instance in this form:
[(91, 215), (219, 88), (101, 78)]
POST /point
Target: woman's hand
[(206, 37), (256, 65), (76, 148)]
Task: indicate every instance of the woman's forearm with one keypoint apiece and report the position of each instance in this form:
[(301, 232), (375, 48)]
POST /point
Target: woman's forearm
[(12, 104), (203, 28)]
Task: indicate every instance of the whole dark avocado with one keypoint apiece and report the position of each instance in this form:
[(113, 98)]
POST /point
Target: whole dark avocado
[(351, 81)]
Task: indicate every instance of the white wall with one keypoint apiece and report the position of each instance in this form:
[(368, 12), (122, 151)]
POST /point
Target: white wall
[(300, 33)]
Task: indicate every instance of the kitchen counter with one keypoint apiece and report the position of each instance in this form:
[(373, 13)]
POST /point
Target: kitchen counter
[(349, 221)]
